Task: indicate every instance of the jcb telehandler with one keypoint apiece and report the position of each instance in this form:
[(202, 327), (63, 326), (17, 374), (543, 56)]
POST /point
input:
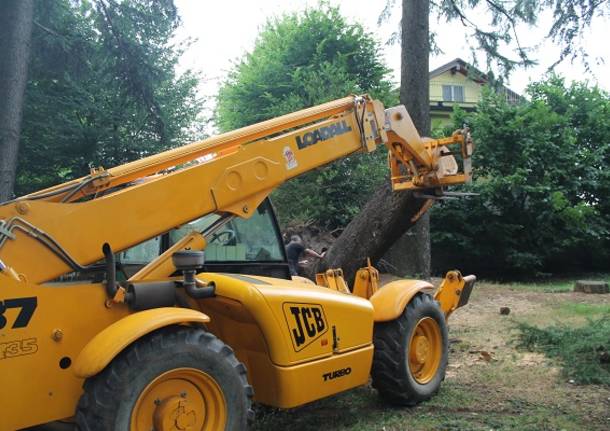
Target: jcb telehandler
[(110, 316)]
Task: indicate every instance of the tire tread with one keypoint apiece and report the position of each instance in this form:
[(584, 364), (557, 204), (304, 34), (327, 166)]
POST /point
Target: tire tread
[(96, 407), (389, 372)]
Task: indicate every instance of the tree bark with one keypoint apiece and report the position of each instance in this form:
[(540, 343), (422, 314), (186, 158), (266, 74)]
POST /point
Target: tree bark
[(408, 256), (411, 253), (15, 37), (414, 68)]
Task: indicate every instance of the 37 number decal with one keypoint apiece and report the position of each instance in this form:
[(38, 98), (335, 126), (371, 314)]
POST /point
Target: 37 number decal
[(26, 311)]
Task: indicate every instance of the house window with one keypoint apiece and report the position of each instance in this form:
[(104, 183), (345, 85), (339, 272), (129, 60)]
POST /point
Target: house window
[(453, 93)]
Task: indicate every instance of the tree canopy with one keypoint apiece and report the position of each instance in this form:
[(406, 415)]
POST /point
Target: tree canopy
[(300, 60), (102, 88), (497, 28), (543, 177)]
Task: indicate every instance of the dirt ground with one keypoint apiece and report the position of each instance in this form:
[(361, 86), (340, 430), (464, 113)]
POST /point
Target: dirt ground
[(490, 384)]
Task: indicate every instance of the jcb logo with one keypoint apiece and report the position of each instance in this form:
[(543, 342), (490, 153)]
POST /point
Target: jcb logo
[(306, 322)]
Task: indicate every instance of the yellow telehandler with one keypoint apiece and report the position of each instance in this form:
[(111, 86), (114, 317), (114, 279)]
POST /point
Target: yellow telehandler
[(113, 318)]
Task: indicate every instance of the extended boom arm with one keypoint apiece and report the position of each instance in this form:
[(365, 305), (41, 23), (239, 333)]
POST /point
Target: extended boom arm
[(62, 228)]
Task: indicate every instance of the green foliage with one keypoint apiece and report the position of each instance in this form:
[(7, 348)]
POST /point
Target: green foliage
[(102, 88), (583, 351), (301, 60), (542, 173)]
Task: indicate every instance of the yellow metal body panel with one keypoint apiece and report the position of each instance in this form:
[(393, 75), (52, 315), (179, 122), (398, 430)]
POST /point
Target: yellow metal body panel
[(35, 387), (287, 387), (299, 279), (253, 315), (390, 301), (113, 339), (266, 302)]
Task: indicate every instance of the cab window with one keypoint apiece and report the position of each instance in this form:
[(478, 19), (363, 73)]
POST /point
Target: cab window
[(239, 240), (142, 253)]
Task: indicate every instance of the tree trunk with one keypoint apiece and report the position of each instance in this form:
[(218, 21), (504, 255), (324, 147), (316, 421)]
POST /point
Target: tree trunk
[(414, 68), (15, 36), (411, 253), (388, 215), (408, 256), (385, 217)]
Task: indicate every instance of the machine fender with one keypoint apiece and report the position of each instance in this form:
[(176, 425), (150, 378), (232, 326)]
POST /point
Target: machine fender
[(390, 301), (102, 348)]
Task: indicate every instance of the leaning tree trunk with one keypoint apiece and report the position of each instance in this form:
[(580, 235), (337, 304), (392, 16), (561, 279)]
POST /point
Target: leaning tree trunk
[(15, 37), (388, 215), (384, 218)]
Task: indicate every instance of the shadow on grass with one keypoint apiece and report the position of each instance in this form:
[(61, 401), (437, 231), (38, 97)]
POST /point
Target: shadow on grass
[(453, 408), (583, 351)]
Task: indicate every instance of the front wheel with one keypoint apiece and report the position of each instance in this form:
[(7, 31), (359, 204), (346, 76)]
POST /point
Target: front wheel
[(176, 378), (411, 353)]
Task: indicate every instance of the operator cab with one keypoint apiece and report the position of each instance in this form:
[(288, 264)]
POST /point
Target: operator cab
[(251, 246)]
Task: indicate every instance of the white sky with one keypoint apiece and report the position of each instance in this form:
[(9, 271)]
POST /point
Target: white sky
[(225, 30)]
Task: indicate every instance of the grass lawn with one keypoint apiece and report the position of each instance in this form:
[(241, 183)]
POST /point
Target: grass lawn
[(529, 383)]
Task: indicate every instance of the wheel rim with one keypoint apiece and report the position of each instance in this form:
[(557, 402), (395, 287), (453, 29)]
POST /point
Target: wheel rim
[(180, 399), (425, 350)]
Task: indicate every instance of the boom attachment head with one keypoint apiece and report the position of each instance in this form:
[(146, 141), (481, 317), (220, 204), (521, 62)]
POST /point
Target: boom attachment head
[(418, 163)]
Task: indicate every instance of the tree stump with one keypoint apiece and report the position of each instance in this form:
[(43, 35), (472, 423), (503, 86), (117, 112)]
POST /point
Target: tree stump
[(587, 286)]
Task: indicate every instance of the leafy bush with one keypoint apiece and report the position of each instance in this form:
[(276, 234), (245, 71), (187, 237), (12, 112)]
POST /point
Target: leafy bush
[(542, 171)]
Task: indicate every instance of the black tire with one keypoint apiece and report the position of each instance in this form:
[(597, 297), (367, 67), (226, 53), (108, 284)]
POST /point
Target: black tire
[(391, 373), (110, 396)]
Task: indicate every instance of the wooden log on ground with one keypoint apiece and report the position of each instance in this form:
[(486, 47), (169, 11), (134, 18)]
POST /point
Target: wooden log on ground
[(588, 286)]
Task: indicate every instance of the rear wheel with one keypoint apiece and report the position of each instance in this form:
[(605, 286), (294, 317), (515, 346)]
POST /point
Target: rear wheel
[(411, 353), (175, 379)]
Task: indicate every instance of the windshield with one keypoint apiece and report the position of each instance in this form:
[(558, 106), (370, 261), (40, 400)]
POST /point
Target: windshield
[(254, 239)]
